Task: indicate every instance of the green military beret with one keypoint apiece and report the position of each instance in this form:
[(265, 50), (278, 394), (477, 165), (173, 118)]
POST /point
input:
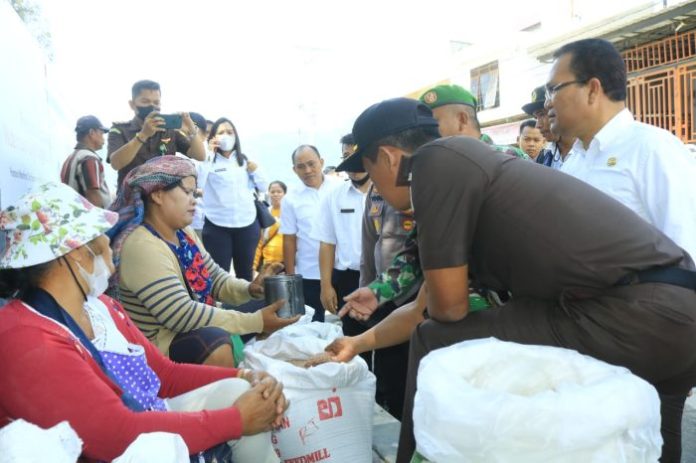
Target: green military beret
[(448, 94)]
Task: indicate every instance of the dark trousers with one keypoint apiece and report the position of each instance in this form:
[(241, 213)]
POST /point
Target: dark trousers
[(648, 328), (236, 245), (312, 292), (390, 368), (344, 283)]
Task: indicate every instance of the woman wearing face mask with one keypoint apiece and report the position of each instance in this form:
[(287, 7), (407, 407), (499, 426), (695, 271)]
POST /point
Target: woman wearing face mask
[(231, 230), (167, 281), (68, 352), (270, 247)]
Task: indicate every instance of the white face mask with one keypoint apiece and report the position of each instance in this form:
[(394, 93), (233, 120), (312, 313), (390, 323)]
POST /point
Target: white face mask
[(98, 280), (227, 142)]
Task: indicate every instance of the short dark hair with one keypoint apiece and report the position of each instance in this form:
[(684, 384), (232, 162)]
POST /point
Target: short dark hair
[(408, 140), (141, 85), (597, 58), (79, 136), (302, 147), (16, 282), (241, 157), (348, 139), (531, 123), (282, 185)]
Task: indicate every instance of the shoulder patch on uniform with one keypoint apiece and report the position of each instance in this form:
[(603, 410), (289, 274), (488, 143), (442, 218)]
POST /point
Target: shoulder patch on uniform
[(115, 130)]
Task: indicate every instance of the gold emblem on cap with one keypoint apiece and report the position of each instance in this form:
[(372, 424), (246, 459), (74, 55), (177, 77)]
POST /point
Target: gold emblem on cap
[(611, 162), (430, 97)]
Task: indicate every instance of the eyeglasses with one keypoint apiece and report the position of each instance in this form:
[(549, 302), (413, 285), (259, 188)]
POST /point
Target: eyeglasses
[(551, 91), (193, 193)]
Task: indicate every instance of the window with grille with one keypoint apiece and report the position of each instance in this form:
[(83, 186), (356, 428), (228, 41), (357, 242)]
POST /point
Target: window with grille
[(485, 86)]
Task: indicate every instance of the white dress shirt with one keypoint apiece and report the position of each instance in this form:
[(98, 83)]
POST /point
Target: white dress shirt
[(199, 214), (557, 161), (299, 211), (340, 223), (228, 192), (647, 169)]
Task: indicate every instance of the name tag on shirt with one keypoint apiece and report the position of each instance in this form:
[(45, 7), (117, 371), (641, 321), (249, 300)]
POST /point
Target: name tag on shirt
[(224, 169), (347, 211)]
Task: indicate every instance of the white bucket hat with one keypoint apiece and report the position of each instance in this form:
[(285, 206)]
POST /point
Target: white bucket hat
[(48, 222)]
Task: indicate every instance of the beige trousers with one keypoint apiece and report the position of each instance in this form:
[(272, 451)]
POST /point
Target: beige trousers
[(222, 394)]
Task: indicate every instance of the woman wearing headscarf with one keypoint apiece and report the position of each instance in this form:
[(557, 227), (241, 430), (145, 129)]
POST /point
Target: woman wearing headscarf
[(167, 281), (68, 352), (229, 179)]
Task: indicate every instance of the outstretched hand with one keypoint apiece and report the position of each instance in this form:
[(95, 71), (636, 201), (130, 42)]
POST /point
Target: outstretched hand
[(271, 321), (360, 304)]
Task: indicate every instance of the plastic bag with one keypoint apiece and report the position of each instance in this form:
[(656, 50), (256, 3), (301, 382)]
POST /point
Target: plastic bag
[(331, 405), (492, 401), (23, 442), (162, 447)]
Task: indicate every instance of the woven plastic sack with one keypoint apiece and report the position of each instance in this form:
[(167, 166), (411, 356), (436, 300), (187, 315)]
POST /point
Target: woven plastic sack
[(492, 401), (331, 405)]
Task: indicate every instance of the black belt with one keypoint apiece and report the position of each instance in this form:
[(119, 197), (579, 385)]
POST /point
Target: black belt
[(667, 275)]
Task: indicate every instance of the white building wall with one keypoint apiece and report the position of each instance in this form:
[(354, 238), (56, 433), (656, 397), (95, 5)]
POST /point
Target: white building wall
[(516, 51)]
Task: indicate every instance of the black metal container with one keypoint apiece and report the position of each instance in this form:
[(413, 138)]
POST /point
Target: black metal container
[(288, 287)]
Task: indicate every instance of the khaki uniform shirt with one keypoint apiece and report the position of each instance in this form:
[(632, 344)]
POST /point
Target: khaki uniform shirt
[(168, 142)]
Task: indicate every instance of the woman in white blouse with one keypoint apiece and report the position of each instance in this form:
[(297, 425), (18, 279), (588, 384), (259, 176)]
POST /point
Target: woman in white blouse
[(231, 230)]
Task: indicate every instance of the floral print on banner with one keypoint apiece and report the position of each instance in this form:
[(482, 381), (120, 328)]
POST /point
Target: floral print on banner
[(48, 222)]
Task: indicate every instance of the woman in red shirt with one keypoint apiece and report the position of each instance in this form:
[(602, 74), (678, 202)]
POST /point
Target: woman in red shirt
[(68, 352)]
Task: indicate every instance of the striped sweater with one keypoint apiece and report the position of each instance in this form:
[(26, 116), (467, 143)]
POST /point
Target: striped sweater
[(153, 291)]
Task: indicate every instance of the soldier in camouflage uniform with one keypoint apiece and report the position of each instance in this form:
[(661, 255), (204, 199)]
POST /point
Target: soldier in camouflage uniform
[(384, 232)]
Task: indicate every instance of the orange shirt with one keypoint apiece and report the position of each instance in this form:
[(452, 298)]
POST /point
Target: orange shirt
[(271, 243)]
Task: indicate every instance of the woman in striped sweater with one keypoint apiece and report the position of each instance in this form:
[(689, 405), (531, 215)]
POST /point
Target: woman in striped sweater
[(167, 281)]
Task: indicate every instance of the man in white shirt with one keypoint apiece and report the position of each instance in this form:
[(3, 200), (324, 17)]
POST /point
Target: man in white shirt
[(339, 231), (299, 211), (644, 167)]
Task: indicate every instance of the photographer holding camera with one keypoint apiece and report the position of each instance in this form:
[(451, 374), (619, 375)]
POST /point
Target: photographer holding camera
[(150, 133)]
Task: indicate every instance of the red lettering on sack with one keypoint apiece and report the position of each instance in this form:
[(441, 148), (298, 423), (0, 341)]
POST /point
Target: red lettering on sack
[(285, 424), (329, 408), (314, 457)]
